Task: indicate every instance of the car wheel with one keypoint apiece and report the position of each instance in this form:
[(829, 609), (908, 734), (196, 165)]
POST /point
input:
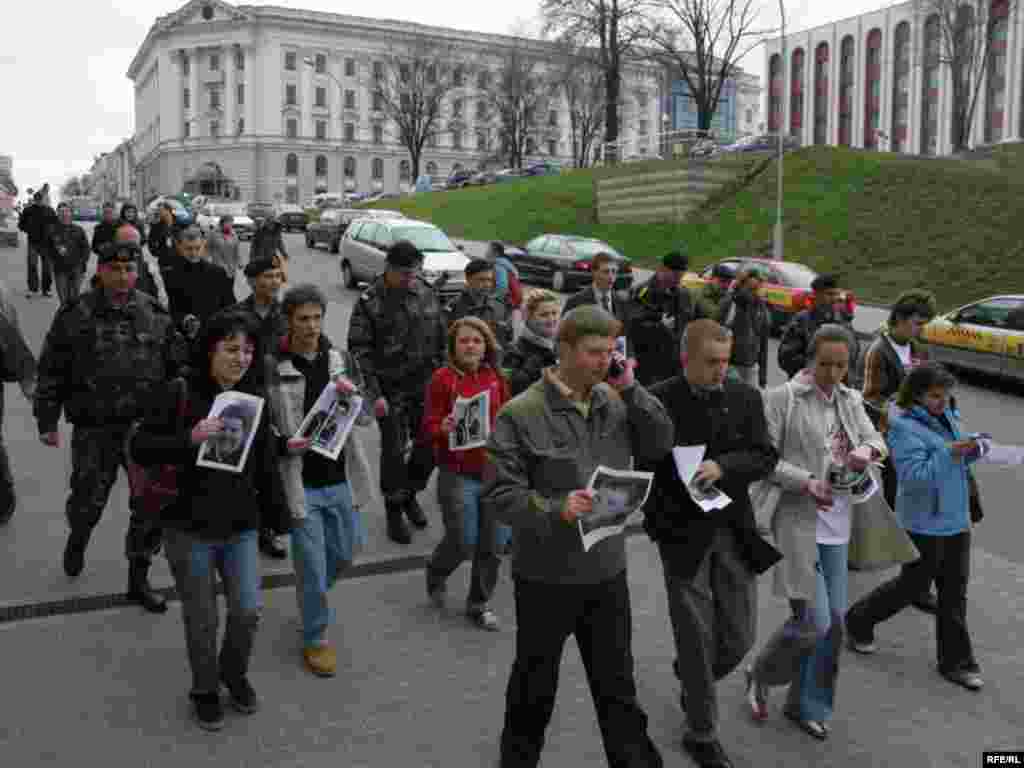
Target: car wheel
[(558, 282), (335, 246), (347, 278)]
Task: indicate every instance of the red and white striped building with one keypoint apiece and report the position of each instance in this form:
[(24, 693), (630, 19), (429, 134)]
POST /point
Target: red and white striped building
[(874, 81)]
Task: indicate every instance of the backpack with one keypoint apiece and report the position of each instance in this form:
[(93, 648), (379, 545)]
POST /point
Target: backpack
[(154, 488)]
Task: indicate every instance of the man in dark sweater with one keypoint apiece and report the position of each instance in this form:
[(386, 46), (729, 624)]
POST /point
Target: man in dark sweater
[(196, 289)]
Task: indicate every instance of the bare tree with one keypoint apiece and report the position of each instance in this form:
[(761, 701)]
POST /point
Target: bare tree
[(517, 98), (705, 39), (970, 37), (409, 85), (579, 77), (614, 28)]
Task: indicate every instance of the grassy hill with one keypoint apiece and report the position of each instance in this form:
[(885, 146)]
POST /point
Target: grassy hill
[(885, 222)]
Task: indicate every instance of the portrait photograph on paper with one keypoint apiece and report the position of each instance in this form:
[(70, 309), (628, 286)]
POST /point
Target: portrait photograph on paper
[(330, 420), (472, 422), (228, 449), (617, 495)]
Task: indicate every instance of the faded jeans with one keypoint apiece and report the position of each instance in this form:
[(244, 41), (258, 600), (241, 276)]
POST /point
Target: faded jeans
[(324, 544), (194, 562)]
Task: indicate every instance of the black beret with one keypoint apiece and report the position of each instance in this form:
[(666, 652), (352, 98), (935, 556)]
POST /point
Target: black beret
[(824, 283), (258, 267), (476, 266), (127, 250), (676, 260), (721, 272), (404, 255)]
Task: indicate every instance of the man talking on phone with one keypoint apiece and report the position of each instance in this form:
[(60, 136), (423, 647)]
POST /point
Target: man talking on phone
[(545, 446)]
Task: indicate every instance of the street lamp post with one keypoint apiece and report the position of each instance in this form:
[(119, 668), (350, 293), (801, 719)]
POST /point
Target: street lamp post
[(778, 209), (341, 94)]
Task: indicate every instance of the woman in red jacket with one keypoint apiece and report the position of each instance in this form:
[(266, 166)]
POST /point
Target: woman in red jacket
[(469, 533)]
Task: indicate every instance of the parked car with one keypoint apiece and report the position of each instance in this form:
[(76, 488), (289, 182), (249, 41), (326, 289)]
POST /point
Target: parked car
[(508, 174), (563, 262), (765, 142), (786, 286), (261, 210), (291, 217), (365, 244), (209, 215), (542, 169), (329, 229), (458, 179), (703, 148), (986, 336), (481, 179)]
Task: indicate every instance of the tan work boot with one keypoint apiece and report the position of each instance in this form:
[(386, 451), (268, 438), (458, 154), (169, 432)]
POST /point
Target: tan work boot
[(321, 660)]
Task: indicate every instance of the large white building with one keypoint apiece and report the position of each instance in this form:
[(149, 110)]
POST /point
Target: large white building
[(874, 81), (111, 174), (226, 104)]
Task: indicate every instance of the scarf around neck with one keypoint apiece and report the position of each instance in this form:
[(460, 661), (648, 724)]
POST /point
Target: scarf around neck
[(536, 339)]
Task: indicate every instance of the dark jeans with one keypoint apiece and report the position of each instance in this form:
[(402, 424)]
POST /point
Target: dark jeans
[(96, 454), (6, 478), (402, 473), (67, 284), (599, 617), (947, 560), (35, 255)]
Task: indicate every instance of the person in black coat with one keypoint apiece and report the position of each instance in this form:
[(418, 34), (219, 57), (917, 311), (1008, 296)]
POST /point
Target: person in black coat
[(710, 558), (103, 232), (604, 269), (161, 238), (534, 350), (196, 289)]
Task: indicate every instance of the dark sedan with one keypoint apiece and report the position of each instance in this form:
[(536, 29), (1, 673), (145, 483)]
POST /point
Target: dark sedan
[(563, 262), (292, 219)]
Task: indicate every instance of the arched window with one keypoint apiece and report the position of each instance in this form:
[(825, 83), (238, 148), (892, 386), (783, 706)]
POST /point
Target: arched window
[(821, 94), (404, 170), (291, 164), (432, 168), (774, 93), (350, 167), (995, 80), (930, 87), (796, 93), (847, 53), (900, 87), (321, 165), (378, 168), (873, 88)]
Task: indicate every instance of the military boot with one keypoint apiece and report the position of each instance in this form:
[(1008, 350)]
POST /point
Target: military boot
[(139, 590), (414, 512), (398, 531), (74, 551)]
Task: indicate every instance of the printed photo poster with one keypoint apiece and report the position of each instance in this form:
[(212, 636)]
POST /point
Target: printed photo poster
[(472, 422), (617, 495), (688, 459), (330, 420), (229, 449), (620, 346)]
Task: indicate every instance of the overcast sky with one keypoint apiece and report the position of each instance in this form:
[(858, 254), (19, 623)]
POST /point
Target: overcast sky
[(65, 97)]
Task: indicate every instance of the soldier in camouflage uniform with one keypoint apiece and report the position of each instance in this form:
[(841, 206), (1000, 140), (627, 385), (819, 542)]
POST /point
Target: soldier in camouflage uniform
[(107, 356), (397, 335)]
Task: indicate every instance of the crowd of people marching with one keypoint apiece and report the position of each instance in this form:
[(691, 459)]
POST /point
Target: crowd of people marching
[(135, 365)]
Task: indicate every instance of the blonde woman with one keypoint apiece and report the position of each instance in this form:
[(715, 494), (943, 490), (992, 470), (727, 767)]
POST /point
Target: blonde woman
[(535, 349)]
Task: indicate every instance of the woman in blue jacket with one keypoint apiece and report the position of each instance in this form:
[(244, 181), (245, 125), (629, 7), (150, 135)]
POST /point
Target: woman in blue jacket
[(931, 457)]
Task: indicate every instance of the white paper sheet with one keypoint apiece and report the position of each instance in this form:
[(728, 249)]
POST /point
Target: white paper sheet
[(1005, 455), (330, 420), (229, 449), (472, 422), (688, 459), (618, 495)]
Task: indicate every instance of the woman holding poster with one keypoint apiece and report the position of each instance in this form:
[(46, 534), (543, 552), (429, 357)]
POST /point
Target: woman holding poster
[(212, 525), (469, 533)]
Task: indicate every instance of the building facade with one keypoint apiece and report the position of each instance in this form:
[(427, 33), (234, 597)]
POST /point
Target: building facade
[(270, 104), (739, 106), (875, 82), (112, 175)]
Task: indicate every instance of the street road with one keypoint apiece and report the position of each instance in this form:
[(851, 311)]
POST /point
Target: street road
[(33, 541)]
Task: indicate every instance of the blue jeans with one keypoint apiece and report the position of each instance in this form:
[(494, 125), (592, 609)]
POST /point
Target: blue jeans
[(323, 545), (468, 535), (812, 694), (194, 563)]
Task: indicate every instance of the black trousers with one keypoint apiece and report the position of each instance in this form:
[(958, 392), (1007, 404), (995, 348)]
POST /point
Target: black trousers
[(36, 253), (599, 617), (947, 560), (6, 477), (403, 473)]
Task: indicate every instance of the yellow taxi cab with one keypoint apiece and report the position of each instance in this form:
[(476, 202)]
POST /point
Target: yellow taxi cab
[(987, 336), (786, 285)]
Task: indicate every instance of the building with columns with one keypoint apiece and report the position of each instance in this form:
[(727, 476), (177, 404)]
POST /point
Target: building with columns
[(226, 104), (873, 81), (111, 174)]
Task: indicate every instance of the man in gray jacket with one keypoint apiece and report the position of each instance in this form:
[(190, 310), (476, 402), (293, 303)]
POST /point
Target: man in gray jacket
[(545, 446), (222, 247)]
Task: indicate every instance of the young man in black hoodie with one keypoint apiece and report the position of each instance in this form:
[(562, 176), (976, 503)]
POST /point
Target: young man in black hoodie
[(70, 247)]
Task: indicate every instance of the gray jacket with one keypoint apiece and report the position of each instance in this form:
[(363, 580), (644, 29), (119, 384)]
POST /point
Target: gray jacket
[(223, 252), (542, 448)]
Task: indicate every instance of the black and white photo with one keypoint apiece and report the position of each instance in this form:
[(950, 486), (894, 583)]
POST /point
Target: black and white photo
[(472, 422), (330, 420), (617, 494), (228, 449)]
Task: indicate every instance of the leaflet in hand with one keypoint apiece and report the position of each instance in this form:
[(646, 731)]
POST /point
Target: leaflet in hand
[(228, 449), (472, 422), (618, 494), (688, 459), (997, 453), (330, 420)]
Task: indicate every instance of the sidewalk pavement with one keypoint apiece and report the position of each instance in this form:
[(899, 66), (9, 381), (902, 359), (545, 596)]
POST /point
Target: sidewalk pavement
[(418, 688)]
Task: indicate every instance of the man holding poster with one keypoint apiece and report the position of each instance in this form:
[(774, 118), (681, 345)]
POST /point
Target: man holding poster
[(546, 445)]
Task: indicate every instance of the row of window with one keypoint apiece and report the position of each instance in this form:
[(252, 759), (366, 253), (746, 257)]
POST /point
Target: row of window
[(213, 62), (215, 97), (320, 164)]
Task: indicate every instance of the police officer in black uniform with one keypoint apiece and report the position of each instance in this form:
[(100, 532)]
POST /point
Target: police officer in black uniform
[(108, 356), (397, 335), (659, 310)]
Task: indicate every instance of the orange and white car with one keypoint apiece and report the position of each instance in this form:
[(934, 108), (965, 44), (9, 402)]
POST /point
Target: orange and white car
[(786, 285)]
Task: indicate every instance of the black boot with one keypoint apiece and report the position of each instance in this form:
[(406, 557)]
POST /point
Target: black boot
[(414, 512), (74, 551), (139, 590), (7, 505), (398, 531), (270, 546)]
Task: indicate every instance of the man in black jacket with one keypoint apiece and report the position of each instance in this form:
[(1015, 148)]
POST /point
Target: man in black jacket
[(38, 221), (480, 300), (745, 313), (604, 270), (710, 558), (103, 232), (70, 248), (794, 348), (161, 239), (196, 289)]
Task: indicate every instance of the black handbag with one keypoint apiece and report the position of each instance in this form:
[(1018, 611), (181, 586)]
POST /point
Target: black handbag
[(977, 513)]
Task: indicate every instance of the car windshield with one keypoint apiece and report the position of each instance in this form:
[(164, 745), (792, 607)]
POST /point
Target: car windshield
[(426, 239), (260, 209), (795, 275), (589, 248)]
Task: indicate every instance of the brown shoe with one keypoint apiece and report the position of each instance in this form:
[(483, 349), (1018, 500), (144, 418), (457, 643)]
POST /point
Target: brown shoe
[(321, 660)]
